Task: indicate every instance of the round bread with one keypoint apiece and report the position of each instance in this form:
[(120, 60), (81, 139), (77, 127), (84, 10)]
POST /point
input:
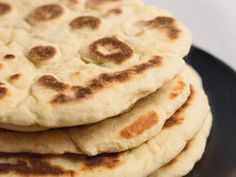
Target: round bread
[(68, 62), (191, 154), (148, 157), (129, 130), (117, 164)]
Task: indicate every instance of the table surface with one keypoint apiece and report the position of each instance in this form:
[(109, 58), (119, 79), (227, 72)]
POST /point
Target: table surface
[(212, 22)]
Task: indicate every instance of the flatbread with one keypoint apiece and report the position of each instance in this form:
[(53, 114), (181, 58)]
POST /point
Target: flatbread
[(119, 164), (192, 153), (129, 130), (148, 157), (67, 62)]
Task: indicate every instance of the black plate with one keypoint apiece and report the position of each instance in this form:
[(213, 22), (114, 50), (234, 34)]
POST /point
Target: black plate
[(219, 160)]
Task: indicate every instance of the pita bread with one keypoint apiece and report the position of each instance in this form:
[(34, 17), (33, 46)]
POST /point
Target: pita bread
[(75, 59), (148, 157), (192, 153), (126, 131)]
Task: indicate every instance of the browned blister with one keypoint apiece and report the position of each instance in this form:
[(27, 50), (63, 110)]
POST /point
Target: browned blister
[(166, 24), (3, 92), (101, 161), (40, 54), (46, 12), (178, 117), (104, 80), (85, 22), (110, 50), (9, 57), (138, 127), (99, 3), (178, 89), (52, 83), (4, 8), (15, 77), (33, 165)]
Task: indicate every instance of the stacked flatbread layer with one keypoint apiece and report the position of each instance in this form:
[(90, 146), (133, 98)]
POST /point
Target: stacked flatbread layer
[(97, 88)]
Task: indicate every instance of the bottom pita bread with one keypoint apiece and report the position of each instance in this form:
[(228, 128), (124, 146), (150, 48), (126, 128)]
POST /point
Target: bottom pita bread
[(139, 162), (192, 153)]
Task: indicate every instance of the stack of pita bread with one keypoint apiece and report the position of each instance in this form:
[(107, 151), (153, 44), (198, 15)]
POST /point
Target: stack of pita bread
[(97, 88)]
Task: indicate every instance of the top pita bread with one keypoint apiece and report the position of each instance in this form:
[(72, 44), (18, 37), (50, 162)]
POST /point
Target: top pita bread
[(68, 62)]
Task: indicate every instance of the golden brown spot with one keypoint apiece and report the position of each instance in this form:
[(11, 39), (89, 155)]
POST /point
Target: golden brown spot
[(178, 89), (40, 54), (35, 165), (75, 1), (4, 8), (115, 11), (76, 74), (46, 12), (178, 117), (167, 24), (1, 66), (62, 98), (3, 92), (2, 83), (140, 126), (97, 3), (104, 80), (14, 77), (156, 61), (85, 22), (111, 50), (52, 83), (9, 57), (81, 92), (101, 161)]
